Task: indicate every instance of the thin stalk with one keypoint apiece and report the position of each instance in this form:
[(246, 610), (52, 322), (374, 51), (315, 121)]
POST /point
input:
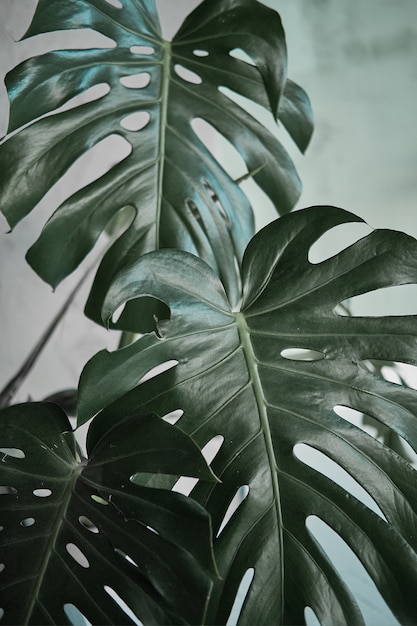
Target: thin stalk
[(12, 387)]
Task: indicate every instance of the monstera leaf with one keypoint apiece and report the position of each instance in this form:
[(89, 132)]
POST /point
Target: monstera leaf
[(78, 538), (267, 378), (181, 196)]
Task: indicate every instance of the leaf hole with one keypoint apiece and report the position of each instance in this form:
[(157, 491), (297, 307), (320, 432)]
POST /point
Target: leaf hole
[(15, 453), (147, 50), (185, 484), (75, 616), (88, 524), (394, 300), (78, 556), (136, 81), (216, 199), (242, 592), (241, 55), (336, 239), (327, 467), (395, 372), (159, 369), (90, 166), (122, 604), (126, 557), (117, 313), (237, 500), (99, 500), (194, 211), (302, 354), (115, 3), (310, 617), (200, 53), (96, 92), (135, 121), (378, 430), (27, 522), (173, 416), (351, 571), (222, 150), (7, 490), (187, 75), (42, 493)]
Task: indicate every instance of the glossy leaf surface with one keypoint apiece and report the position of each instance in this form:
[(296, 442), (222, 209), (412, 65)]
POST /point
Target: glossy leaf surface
[(181, 196), (76, 531), (235, 378)]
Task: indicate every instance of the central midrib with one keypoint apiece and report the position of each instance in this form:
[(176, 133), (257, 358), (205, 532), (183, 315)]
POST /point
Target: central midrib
[(60, 517), (165, 80), (252, 365)]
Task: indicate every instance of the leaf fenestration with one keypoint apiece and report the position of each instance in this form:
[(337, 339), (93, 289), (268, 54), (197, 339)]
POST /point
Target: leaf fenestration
[(168, 167), (234, 378), (74, 528)]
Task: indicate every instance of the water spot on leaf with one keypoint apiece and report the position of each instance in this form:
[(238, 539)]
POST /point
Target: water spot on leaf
[(75, 616), (2, 566), (352, 572), (240, 598), (173, 416), (142, 50), (185, 484), (27, 522), (187, 75), (42, 493), (122, 604), (301, 354), (200, 53), (136, 81), (337, 239), (135, 121), (1, 613), (16, 453), (88, 524), (77, 555), (238, 499), (241, 55), (327, 467)]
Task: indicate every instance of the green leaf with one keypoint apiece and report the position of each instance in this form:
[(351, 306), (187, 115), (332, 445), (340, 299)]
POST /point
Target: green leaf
[(181, 196), (234, 378), (73, 529)]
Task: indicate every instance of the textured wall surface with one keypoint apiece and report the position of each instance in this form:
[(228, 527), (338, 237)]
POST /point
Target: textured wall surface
[(357, 61)]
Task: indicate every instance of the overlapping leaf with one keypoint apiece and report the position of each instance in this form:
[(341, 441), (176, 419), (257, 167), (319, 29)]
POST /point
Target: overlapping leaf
[(76, 534), (233, 378), (182, 198)]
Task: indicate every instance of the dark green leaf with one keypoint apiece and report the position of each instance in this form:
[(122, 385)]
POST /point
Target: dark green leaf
[(181, 196), (72, 529), (234, 378)]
